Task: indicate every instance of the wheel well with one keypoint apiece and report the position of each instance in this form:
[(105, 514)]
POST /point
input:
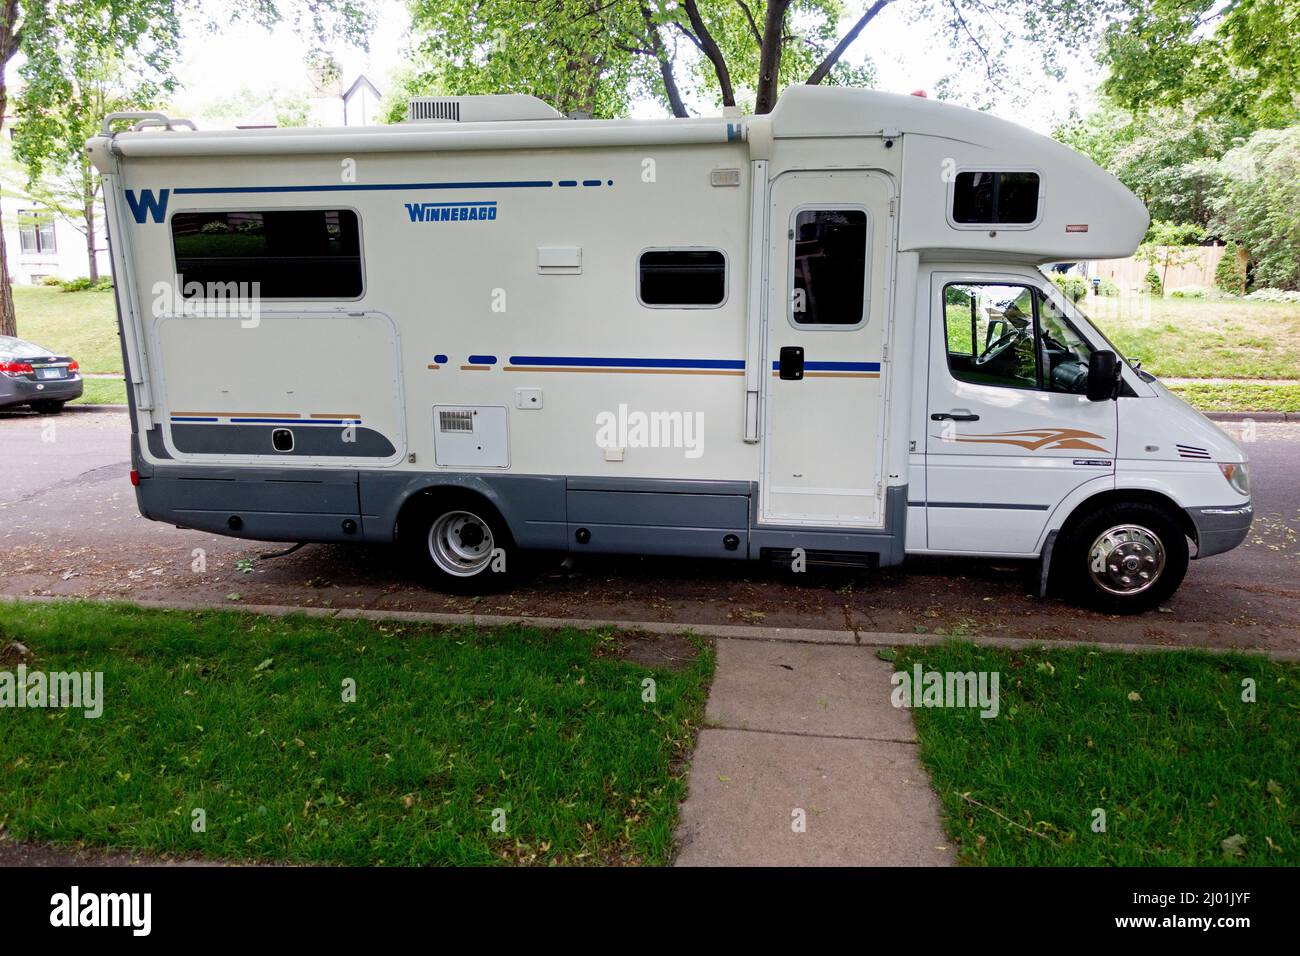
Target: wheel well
[(433, 496), (1125, 496)]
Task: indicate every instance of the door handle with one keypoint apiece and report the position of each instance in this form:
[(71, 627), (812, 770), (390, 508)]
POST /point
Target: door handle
[(790, 366), (958, 416)]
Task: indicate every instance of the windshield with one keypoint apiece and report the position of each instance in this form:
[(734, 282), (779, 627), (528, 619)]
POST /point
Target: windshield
[(12, 346), (1083, 314)]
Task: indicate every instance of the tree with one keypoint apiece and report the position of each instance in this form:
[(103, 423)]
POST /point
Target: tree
[(1258, 204), (1229, 274), (594, 55), (1166, 155), (1240, 58), (60, 39)]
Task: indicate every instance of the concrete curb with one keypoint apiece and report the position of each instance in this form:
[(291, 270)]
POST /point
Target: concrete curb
[(1252, 416), (796, 635)]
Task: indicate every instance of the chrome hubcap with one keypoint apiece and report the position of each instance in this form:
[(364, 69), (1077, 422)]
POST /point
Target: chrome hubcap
[(461, 544), (1126, 559)]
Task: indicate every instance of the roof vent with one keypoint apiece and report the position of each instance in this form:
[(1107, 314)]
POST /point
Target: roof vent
[(492, 108)]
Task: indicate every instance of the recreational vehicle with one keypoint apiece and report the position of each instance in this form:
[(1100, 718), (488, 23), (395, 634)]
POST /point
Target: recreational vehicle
[(822, 334)]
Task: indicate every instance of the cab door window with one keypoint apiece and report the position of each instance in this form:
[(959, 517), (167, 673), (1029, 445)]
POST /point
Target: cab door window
[(1013, 336)]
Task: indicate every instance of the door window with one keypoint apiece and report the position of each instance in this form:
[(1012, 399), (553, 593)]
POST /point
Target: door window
[(1013, 336), (829, 282)]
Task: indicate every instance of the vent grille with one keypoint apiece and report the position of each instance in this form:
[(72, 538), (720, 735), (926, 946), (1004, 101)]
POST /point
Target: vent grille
[(433, 109), (455, 421), (1192, 451)]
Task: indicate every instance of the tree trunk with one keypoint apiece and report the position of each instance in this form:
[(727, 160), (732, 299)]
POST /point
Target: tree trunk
[(769, 59), (8, 47), (90, 241)]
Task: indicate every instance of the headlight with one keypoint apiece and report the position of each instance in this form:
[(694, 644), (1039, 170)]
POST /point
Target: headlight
[(1235, 472)]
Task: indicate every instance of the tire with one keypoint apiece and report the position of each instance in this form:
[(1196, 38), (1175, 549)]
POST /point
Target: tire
[(461, 545), (47, 407), (1145, 552)]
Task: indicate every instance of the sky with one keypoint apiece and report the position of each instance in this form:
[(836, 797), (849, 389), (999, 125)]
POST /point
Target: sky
[(902, 54)]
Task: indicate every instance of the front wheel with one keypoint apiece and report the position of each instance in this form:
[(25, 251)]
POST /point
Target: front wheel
[(463, 545), (1124, 559)]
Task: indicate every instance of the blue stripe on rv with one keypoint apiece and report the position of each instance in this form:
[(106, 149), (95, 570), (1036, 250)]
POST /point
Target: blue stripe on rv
[(589, 362)]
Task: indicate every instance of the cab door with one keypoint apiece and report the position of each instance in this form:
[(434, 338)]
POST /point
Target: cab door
[(829, 269), (1009, 431)]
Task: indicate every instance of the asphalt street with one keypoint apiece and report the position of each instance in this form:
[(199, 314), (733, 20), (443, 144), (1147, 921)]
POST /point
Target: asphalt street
[(69, 526)]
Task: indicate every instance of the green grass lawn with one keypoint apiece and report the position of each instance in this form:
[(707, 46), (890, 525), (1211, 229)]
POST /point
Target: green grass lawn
[(242, 716), (1239, 396), (1203, 338), (80, 324), (1161, 742)]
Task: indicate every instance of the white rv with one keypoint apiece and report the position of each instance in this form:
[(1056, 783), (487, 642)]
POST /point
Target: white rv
[(821, 333)]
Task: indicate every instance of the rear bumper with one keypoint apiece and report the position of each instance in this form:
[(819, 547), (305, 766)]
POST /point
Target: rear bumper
[(1220, 528), (20, 391)]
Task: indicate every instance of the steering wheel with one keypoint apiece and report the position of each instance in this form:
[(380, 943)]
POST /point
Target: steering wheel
[(1001, 344)]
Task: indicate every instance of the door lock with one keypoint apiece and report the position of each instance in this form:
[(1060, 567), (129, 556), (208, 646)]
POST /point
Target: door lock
[(959, 415)]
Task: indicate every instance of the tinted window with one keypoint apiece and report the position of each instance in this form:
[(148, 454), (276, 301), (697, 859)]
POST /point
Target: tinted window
[(995, 198), (290, 253), (683, 277), (830, 267)]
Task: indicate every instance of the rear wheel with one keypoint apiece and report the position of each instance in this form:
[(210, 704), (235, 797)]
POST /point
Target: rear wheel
[(462, 544), (47, 407), (1124, 559)]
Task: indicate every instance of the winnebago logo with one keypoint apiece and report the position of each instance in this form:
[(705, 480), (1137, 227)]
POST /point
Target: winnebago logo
[(1037, 439), (451, 211)]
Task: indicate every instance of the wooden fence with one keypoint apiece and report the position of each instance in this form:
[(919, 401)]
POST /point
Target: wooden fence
[(1189, 266)]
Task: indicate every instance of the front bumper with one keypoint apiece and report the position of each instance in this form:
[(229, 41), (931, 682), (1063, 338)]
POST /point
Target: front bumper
[(1220, 528), (20, 391)]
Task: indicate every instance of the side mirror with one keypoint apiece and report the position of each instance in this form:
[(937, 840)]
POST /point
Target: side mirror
[(1103, 375)]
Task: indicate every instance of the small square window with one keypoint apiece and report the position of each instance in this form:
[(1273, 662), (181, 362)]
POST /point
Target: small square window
[(682, 278), (995, 198)]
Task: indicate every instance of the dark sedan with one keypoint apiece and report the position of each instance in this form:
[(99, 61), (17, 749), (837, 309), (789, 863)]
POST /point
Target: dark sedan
[(31, 375)]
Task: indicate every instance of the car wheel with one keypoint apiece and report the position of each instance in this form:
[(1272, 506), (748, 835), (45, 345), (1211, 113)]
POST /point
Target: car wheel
[(47, 407), (462, 544), (1124, 559)]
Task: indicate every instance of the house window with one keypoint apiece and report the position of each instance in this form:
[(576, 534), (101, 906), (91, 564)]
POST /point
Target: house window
[(289, 253), (828, 288), (682, 278), (36, 233), (988, 198)]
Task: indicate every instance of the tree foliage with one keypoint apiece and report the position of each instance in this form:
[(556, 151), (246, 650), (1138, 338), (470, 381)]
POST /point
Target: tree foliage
[(1258, 204), (1237, 58), (597, 55)]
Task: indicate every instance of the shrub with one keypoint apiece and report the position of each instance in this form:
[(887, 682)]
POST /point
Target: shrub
[(1188, 292), (1229, 276), (1107, 288), (1152, 282), (80, 284), (1274, 295), (51, 280), (1074, 287)]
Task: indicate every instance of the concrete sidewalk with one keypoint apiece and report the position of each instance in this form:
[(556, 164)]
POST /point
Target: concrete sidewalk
[(806, 732)]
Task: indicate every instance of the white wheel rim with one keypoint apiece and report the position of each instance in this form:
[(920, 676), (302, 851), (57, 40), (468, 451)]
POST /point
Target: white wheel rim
[(1126, 559), (461, 543)]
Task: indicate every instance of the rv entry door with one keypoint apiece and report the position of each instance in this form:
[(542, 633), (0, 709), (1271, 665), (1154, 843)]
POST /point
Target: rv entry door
[(829, 268)]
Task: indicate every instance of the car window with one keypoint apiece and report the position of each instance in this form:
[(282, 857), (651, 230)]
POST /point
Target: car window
[(13, 346), (1014, 336), (990, 334)]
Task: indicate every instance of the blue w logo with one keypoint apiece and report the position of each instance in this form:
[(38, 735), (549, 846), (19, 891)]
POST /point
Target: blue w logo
[(147, 205)]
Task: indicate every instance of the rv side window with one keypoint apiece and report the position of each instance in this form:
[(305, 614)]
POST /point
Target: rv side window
[(989, 198), (830, 268), (289, 253), (682, 278)]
